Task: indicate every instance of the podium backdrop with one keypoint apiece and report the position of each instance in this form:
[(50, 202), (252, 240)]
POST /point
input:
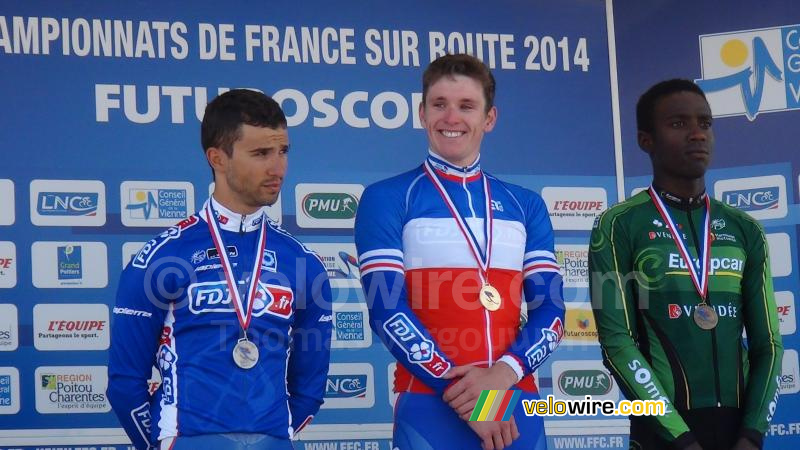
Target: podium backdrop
[(100, 136)]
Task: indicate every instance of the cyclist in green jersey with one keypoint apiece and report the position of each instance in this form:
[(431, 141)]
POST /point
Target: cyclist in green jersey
[(675, 278)]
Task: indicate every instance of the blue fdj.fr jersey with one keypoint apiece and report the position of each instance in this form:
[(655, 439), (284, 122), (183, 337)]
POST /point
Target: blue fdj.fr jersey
[(175, 314)]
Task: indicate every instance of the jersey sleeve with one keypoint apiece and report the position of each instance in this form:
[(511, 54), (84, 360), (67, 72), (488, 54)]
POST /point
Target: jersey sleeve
[(543, 288), (138, 318), (611, 284), (310, 354), (765, 349), (379, 241)]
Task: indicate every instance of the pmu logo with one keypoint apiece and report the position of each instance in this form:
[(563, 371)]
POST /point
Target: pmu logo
[(752, 71), (330, 205), (584, 382), (753, 199), (346, 386), (67, 203)]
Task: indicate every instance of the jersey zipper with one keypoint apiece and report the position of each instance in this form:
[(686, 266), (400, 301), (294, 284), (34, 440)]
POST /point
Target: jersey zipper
[(487, 318), (714, 356)]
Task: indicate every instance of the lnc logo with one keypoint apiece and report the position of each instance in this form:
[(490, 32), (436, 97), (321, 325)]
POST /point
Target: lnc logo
[(750, 72)]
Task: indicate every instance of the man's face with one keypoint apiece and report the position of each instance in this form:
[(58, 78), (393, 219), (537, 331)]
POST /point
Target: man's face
[(454, 115), (682, 141), (255, 171)]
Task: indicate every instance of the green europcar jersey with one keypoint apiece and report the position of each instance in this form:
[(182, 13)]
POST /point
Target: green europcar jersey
[(643, 299)]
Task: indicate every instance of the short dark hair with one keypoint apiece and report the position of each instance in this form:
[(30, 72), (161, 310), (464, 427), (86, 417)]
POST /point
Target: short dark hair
[(460, 64), (646, 106), (224, 116)]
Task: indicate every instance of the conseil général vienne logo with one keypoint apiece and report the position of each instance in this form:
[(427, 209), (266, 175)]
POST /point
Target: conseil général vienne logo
[(752, 71)]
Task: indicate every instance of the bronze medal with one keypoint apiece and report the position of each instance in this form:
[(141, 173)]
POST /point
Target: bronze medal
[(705, 317)]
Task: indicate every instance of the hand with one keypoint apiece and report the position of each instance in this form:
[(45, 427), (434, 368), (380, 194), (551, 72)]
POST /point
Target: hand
[(744, 444), (495, 435), (463, 394)]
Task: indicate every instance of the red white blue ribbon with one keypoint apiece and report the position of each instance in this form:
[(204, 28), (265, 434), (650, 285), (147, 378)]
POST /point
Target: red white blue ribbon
[(244, 315), (699, 278), (482, 258)]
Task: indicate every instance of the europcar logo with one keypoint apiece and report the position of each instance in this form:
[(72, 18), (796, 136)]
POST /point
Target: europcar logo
[(752, 71), (584, 382), (327, 205)]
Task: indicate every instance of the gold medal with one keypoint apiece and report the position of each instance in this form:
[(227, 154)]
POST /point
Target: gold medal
[(705, 317), (245, 354), (490, 297)]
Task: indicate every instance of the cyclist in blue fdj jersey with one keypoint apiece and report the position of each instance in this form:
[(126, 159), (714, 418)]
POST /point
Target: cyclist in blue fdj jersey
[(230, 309)]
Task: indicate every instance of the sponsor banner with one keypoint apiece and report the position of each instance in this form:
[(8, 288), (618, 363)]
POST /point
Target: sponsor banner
[(71, 389), (69, 264), (274, 211), (786, 312), (761, 197), (580, 328), (748, 72), (155, 203), (7, 204), (574, 208), (351, 326), (349, 385), (341, 263), (8, 264), (9, 328), (327, 205), (790, 373), (9, 390), (129, 250), (70, 327), (390, 378), (780, 254), (77, 203), (574, 262), (575, 380)]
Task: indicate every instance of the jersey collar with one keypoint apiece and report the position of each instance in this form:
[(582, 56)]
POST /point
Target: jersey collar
[(685, 204), (232, 221), (452, 172)]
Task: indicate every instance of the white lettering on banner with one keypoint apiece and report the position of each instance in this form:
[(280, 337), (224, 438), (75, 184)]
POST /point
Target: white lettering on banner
[(98, 37), (329, 45), (483, 45), (358, 109)]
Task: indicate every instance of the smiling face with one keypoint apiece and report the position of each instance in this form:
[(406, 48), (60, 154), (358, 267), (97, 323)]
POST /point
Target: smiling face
[(681, 142), (455, 117)]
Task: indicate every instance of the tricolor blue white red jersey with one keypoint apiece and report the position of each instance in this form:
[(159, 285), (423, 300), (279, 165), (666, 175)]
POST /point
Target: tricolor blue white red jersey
[(174, 312), (421, 279)]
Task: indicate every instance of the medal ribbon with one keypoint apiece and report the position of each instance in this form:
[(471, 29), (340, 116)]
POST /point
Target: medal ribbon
[(243, 316), (483, 259), (700, 279)]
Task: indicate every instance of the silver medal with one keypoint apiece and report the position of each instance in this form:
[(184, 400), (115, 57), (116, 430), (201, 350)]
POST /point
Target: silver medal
[(245, 354)]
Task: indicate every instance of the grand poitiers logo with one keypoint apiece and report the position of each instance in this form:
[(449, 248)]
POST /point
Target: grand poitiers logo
[(752, 71)]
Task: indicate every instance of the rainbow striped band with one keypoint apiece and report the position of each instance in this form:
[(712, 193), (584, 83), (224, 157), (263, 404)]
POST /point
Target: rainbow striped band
[(495, 405)]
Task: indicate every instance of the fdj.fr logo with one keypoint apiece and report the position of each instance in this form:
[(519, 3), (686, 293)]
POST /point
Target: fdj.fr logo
[(70, 265), (753, 199), (67, 203), (749, 72), (330, 205), (346, 386)]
